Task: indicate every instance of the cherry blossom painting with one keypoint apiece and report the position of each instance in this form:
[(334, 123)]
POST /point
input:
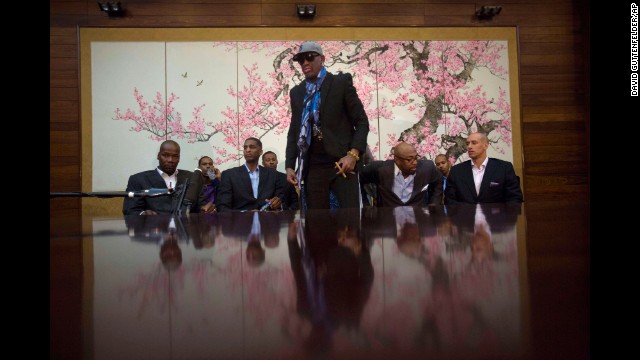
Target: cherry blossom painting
[(211, 95)]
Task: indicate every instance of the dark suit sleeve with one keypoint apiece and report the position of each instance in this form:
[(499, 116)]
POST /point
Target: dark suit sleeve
[(224, 200), (451, 191), (512, 191), (279, 183), (195, 188), (357, 115), (291, 152), (435, 181), (290, 198), (136, 205), (369, 173)]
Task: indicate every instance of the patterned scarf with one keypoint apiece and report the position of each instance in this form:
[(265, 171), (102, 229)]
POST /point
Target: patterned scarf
[(310, 112)]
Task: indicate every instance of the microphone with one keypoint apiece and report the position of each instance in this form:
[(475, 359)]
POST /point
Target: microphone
[(150, 192)]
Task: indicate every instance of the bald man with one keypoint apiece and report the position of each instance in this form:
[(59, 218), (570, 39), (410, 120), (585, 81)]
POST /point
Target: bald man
[(405, 180), (482, 179), (165, 176)]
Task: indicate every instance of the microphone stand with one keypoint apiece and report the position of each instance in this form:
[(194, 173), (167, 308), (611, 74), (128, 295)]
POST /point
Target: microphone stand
[(100, 194), (178, 206)]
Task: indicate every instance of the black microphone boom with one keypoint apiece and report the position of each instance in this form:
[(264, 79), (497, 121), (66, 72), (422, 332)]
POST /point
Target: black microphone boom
[(111, 194)]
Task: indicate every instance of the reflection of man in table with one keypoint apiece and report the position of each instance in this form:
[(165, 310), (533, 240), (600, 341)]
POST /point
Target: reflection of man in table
[(333, 273), (204, 229), (161, 230), (255, 253), (170, 252)]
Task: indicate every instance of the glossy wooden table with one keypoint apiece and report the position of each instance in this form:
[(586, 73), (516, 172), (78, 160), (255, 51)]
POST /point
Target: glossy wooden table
[(403, 283)]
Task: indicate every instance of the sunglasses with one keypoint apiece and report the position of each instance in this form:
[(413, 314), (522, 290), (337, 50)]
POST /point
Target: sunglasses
[(307, 56), (409, 159)]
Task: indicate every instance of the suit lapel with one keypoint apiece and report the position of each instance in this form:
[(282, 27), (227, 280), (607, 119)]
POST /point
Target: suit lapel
[(324, 91), (388, 175), (486, 178), (156, 180), (244, 180), (418, 179), (468, 178), (262, 175), (182, 177)]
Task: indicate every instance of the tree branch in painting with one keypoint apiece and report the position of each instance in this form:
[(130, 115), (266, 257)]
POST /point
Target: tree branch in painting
[(431, 80)]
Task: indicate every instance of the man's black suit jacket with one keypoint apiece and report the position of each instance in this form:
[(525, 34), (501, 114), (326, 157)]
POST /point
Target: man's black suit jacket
[(382, 174), (147, 180), (499, 184), (235, 192), (344, 122), (289, 195)]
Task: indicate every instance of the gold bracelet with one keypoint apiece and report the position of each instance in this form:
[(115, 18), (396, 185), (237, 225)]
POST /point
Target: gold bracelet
[(353, 155)]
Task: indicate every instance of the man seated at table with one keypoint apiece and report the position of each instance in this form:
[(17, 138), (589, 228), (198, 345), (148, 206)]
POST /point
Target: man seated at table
[(249, 186), (204, 186), (290, 197), (165, 176), (405, 180), (482, 179)]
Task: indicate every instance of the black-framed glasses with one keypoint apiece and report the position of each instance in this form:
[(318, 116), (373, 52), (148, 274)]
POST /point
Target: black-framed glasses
[(409, 159), (307, 56)]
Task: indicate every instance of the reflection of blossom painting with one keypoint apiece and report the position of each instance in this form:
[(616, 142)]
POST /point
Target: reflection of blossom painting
[(426, 92)]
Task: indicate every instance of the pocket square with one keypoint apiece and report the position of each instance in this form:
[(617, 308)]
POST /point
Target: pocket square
[(424, 188), (493, 183)]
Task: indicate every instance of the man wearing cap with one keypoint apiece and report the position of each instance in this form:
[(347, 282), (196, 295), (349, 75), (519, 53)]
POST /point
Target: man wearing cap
[(327, 134)]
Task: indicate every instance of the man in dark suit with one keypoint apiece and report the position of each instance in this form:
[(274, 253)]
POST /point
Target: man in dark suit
[(289, 196), (327, 135), (405, 180), (249, 186), (444, 166), (166, 175), (482, 179)]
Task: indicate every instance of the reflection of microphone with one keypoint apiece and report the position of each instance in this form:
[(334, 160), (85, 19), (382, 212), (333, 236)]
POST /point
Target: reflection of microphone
[(150, 192)]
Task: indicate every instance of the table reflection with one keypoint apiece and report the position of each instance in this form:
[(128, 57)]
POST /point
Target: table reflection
[(378, 282)]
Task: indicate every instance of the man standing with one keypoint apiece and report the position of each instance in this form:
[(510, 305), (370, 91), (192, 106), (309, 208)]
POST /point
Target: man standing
[(249, 186), (327, 134), (482, 179), (405, 180), (166, 175)]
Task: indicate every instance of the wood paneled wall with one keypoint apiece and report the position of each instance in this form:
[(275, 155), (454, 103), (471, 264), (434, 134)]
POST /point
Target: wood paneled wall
[(553, 45)]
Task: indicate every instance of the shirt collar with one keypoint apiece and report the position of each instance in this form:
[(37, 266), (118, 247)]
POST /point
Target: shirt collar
[(482, 166), (257, 170), (162, 172), (396, 170)]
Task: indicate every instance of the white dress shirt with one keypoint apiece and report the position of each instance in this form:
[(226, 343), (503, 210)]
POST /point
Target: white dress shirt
[(255, 179), (478, 173), (170, 180), (403, 187)]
